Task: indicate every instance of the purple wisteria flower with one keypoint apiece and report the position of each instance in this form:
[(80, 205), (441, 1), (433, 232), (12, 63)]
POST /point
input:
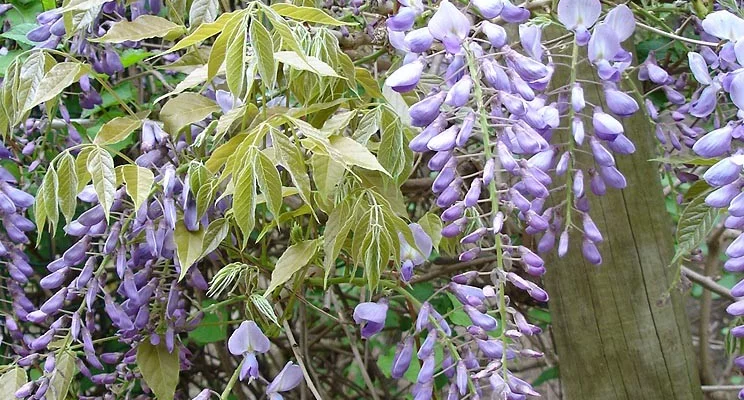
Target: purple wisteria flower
[(287, 379), (410, 256), (246, 341), (371, 316), (450, 26), (579, 16)]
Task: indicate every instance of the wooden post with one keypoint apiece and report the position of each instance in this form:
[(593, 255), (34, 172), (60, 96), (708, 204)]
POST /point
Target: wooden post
[(617, 333)]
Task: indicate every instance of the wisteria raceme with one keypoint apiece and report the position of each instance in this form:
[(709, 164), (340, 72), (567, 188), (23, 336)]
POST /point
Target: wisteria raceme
[(517, 127)]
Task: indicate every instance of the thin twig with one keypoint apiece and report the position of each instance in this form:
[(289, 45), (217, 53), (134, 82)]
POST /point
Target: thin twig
[(708, 283), (676, 37), (354, 349), (300, 362)]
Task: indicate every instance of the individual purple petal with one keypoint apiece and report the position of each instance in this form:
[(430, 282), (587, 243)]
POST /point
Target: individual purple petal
[(406, 77), (578, 15), (465, 130), (613, 177), (699, 68), (403, 20), (444, 141), (530, 38), (724, 25), (488, 8), (514, 14), (426, 374), (527, 68), (402, 359), (622, 145), (714, 143), (602, 156), (419, 40), (577, 97), (722, 173), (622, 21), (426, 111), (496, 34), (577, 130), (450, 26), (723, 196), (248, 338), (459, 93), (250, 367), (371, 316), (287, 379), (706, 103), (427, 347), (590, 252), (737, 90), (606, 127), (604, 44), (619, 102), (590, 229)]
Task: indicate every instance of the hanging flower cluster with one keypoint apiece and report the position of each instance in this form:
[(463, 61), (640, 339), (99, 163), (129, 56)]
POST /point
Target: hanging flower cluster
[(500, 107)]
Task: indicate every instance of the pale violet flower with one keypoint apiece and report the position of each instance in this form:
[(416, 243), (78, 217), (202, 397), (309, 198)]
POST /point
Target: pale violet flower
[(579, 16), (450, 26), (248, 340)]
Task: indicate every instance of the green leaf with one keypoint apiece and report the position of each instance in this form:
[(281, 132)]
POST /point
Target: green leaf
[(51, 196), (270, 183), (184, 110), (306, 63), (68, 182), (203, 12), (291, 158), (307, 14), (189, 247), (282, 29), (294, 259), (327, 174), (432, 225), (244, 198), (100, 166), (264, 307), (81, 168), (204, 31), (397, 103), (368, 82), (687, 159), (194, 78), (144, 27), (393, 144), (17, 33), (263, 47), (549, 374), (160, 369), (353, 153), (65, 371), (116, 130), (212, 328), (216, 232), (138, 181), (695, 223), (337, 230), (11, 381), (40, 216), (235, 60), (55, 81)]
